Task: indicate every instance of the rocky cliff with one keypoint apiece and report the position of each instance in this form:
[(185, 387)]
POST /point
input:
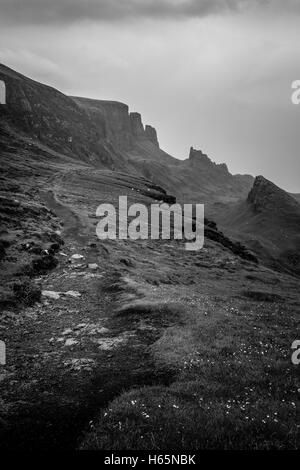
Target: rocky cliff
[(52, 118), (268, 222), (113, 118), (121, 128), (106, 133), (151, 135), (198, 158), (94, 131), (265, 196)]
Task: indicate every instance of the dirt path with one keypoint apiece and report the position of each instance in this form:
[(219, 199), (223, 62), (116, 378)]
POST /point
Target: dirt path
[(70, 356)]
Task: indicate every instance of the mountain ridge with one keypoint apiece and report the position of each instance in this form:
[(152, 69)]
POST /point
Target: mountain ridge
[(267, 222), (106, 134)]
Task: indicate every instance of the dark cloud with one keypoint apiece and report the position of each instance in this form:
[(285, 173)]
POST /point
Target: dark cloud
[(69, 11)]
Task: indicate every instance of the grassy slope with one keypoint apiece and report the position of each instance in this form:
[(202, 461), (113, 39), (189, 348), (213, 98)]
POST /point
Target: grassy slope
[(235, 386), (179, 349), (271, 231), (195, 350)]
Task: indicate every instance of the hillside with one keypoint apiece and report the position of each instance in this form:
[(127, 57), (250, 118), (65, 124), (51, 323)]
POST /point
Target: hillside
[(122, 344), (268, 222), (105, 134)]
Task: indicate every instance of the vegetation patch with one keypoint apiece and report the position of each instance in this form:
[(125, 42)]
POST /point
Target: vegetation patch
[(26, 292), (262, 296)]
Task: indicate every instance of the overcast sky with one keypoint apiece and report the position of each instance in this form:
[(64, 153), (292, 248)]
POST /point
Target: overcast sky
[(213, 74)]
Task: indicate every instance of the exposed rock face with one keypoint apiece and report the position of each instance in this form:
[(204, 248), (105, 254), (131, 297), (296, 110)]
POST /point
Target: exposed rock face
[(121, 128), (150, 133), (268, 222), (137, 128), (197, 157), (105, 134), (139, 132), (114, 117), (266, 196), (54, 119)]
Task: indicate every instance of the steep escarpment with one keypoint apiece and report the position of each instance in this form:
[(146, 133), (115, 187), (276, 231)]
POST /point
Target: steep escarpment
[(52, 118), (265, 196), (121, 128), (106, 134), (218, 174), (151, 135)]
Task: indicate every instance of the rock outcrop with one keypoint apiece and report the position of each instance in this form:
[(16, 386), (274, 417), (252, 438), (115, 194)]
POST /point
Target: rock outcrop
[(151, 135), (267, 222), (266, 196), (122, 129), (94, 131), (112, 117), (54, 119), (197, 157), (137, 128), (106, 134)]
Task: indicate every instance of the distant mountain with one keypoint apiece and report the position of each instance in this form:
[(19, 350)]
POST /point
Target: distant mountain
[(105, 134), (196, 179), (268, 222)]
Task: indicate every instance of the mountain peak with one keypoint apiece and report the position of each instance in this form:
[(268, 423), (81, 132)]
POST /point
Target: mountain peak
[(197, 156), (265, 195)]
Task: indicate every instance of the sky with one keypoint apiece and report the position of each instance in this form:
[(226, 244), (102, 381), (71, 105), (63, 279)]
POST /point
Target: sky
[(213, 74)]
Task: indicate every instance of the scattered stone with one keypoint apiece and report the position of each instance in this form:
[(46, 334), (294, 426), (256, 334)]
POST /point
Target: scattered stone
[(72, 293), (71, 342), (95, 330), (93, 266), (91, 275), (78, 266), (102, 330), (106, 344), (77, 256), (68, 331), (51, 294)]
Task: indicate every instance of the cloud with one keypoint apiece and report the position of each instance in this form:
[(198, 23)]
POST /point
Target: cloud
[(72, 11), (222, 84)]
